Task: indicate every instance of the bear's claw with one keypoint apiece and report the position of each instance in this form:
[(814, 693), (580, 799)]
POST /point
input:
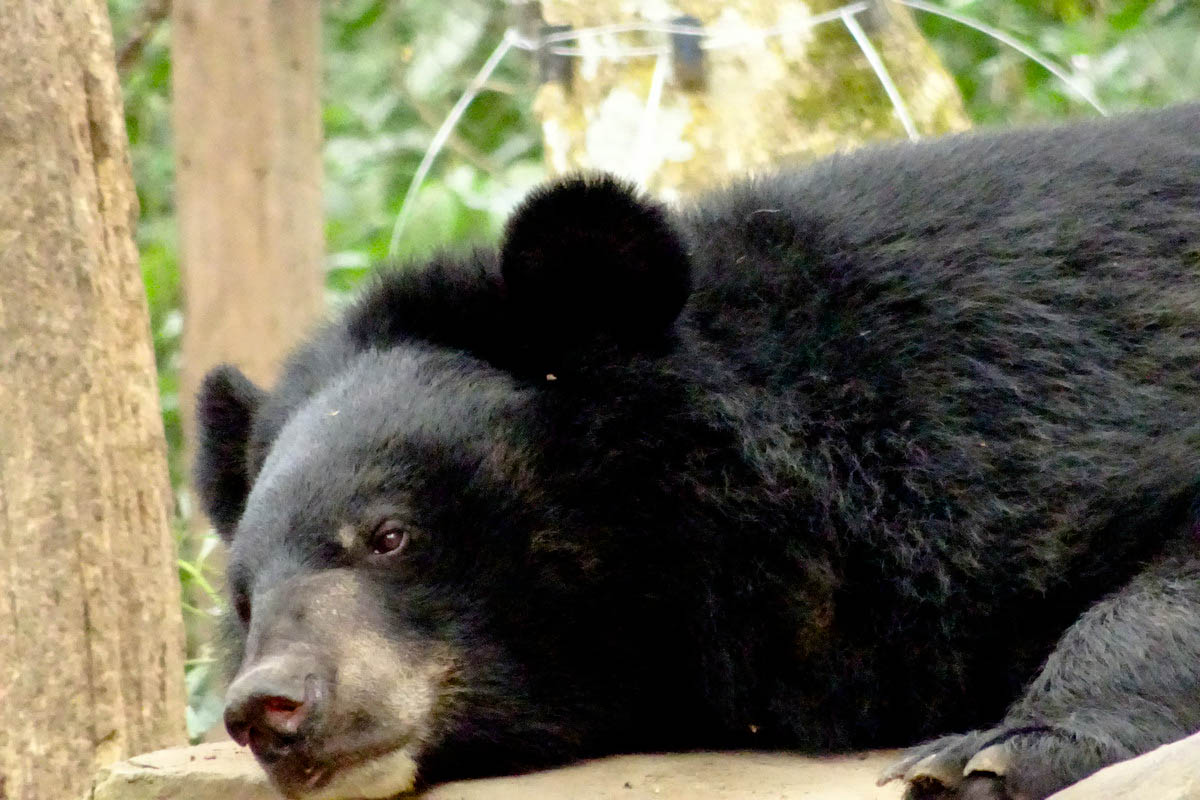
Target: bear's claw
[(962, 767)]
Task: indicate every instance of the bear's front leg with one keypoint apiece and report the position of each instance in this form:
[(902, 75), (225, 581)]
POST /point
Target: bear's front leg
[(1003, 763), (1123, 680)]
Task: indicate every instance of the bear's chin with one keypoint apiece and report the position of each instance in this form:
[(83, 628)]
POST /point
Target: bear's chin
[(381, 777)]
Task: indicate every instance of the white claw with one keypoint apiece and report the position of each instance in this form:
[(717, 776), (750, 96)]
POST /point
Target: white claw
[(995, 759), (896, 770), (936, 769)]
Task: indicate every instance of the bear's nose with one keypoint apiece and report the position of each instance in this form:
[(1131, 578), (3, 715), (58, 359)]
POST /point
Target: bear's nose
[(266, 705)]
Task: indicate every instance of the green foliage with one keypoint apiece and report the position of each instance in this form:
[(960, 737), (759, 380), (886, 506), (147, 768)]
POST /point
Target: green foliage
[(392, 72), (201, 671), (1130, 54)]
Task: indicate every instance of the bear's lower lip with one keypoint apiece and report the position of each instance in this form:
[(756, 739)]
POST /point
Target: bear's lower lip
[(309, 778), (297, 777), (319, 778)]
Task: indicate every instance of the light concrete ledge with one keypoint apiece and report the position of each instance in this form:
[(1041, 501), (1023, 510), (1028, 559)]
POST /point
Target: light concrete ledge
[(1172, 772), (224, 771)]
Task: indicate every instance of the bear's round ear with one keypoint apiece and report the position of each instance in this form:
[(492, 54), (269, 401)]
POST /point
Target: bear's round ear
[(589, 256), (225, 409)]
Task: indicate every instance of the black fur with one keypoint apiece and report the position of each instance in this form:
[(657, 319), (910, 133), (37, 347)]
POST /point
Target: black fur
[(225, 408), (922, 408), (587, 256), (586, 264)]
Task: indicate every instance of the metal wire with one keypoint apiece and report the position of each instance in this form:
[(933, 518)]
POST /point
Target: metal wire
[(443, 133), (1015, 44), (642, 153), (885, 78), (646, 51), (554, 44), (844, 12)]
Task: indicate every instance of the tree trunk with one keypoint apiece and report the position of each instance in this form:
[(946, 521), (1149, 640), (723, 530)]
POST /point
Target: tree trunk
[(90, 634), (759, 102), (247, 120)]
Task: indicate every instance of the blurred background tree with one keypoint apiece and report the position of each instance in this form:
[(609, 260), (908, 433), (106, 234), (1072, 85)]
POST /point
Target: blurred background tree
[(740, 102), (392, 72)]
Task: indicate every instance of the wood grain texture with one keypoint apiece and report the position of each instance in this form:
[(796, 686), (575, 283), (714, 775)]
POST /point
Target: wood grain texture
[(90, 630), (247, 124)]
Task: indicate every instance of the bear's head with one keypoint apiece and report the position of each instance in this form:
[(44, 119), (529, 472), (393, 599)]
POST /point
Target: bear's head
[(446, 523)]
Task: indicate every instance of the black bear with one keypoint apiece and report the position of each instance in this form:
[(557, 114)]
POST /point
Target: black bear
[(899, 445)]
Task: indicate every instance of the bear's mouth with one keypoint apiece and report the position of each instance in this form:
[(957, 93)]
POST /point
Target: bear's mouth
[(381, 771)]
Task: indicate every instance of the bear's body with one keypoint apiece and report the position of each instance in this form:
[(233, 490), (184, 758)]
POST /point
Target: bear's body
[(831, 460)]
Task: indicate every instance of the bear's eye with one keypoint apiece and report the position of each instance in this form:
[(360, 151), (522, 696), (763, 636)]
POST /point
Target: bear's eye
[(389, 537)]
